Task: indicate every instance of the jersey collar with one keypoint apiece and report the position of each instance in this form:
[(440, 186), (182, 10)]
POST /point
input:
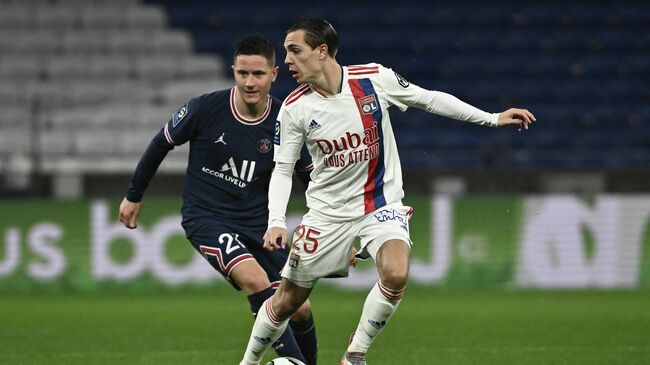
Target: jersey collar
[(241, 118)]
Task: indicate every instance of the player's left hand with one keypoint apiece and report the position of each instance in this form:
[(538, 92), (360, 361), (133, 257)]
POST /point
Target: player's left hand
[(353, 257), (275, 238), (519, 117)]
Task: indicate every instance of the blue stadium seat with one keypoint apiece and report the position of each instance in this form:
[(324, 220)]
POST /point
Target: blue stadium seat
[(580, 67)]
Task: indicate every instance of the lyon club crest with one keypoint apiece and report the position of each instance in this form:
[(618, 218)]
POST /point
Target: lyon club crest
[(368, 104), (264, 145)]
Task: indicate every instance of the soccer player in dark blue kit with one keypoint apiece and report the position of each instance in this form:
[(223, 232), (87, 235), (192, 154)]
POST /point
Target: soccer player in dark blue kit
[(225, 196)]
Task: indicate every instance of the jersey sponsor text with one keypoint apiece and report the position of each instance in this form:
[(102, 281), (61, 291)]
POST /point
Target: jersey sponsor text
[(238, 178), (350, 141)]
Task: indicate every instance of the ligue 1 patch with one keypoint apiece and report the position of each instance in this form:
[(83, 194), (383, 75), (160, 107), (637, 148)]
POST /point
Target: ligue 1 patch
[(368, 104), (276, 137), (401, 80), (179, 115), (294, 260), (264, 145)]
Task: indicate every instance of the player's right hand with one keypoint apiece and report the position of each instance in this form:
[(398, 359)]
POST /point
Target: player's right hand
[(129, 212), (275, 238)]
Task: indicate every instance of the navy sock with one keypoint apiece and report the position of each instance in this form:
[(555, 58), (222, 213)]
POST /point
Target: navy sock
[(305, 334), (258, 298), (286, 345)]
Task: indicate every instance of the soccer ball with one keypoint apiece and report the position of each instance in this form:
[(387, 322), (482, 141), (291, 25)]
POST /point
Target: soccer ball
[(285, 361)]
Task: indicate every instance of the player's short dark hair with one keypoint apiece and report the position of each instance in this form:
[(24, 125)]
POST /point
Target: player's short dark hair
[(318, 31), (256, 44)]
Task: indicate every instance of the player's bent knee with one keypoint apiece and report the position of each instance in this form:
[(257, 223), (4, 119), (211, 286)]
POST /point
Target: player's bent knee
[(286, 306), (254, 285), (250, 277), (394, 278), (303, 313), (393, 264), (393, 274), (289, 298), (284, 309)]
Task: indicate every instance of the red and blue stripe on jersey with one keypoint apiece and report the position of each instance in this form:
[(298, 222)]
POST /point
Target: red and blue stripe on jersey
[(373, 190)]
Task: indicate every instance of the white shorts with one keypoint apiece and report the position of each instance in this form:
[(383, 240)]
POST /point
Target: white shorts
[(322, 249)]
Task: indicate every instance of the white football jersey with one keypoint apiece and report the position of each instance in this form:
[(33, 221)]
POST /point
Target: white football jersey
[(350, 139)]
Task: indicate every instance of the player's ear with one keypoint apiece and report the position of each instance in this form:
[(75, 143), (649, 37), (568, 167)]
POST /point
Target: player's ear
[(275, 72), (323, 51)]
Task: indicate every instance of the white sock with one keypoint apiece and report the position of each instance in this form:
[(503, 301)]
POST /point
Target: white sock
[(266, 330), (380, 305)]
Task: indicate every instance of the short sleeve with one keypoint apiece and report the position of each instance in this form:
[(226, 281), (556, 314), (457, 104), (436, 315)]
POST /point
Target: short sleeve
[(288, 139)]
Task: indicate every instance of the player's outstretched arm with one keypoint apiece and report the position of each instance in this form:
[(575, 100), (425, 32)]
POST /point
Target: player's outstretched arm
[(129, 212), (515, 116)]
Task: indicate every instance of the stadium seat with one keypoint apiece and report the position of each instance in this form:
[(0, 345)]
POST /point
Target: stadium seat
[(91, 41), (201, 67), (78, 67), (15, 116), (178, 93), (135, 142), (20, 68), (130, 42), (122, 17), (57, 143), (172, 42), (146, 17), (13, 93), (95, 142), (580, 67), (16, 17), (29, 42), (153, 67), (15, 139), (57, 17), (113, 17)]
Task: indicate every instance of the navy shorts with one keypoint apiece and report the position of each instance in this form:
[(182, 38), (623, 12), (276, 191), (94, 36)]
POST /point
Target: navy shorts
[(225, 245)]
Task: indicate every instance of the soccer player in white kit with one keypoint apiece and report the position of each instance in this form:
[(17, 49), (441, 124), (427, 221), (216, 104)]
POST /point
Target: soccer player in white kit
[(341, 114)]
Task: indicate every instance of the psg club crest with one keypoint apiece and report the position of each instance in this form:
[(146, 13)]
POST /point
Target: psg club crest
[(264, 145), (368, 104)]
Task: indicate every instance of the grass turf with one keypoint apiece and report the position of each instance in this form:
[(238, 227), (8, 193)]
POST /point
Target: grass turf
[(432, 326)]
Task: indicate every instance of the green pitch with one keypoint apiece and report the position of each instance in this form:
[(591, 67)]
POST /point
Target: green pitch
[(432, 326)]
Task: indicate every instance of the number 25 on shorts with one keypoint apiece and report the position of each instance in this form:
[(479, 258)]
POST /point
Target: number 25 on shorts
[(307, 237)]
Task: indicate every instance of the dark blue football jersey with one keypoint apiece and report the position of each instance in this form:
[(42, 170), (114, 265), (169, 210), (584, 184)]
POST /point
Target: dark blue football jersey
[(230, 161)]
